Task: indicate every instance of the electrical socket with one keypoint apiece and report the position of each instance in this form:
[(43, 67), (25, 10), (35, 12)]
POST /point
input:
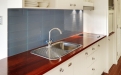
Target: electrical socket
[(0, 20)]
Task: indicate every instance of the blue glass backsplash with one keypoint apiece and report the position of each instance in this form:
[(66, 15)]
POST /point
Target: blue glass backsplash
[(28, 28)]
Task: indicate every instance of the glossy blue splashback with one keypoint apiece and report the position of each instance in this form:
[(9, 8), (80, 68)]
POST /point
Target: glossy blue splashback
[(28, 29)]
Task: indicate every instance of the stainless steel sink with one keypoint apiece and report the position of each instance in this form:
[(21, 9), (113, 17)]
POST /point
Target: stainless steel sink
[(56, 51), (67, 46)]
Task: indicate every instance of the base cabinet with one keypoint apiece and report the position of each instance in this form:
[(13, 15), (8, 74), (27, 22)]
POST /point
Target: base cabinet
[(79, 61), (55, 71), (88, 62), (110, 52), (65, 68), (118, 40)]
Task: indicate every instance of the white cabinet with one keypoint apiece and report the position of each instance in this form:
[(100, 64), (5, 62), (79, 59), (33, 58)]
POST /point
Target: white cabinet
[(66, 4), (65, 68), (91, 61), (88, 2), (111, 21), (96, 61), (53, 4), (79, 61), (101, 56), (110, 52), (54, 71), (118, 39)]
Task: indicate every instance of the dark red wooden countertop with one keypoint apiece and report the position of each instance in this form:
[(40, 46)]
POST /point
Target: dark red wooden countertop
[(28, 64)]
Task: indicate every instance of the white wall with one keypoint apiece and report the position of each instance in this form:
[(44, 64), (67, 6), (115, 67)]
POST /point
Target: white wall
[(15, 3), (96, 21), (3, 29), (3, 38)]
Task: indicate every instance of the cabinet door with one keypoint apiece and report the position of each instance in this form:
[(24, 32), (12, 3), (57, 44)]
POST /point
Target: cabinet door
[(118, 39), (88, 2), (110, 21), (55, 71), (77, 4), (101, 55), (63, 4), (69, 4), (67, 67), (80, 64), (90, 70), (110, 50)]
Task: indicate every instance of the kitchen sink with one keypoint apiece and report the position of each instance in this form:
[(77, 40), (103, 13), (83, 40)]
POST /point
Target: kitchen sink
[(56, 51), (67, 46)]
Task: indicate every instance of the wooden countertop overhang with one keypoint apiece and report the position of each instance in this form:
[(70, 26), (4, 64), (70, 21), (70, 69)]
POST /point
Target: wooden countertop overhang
[(28, 64)]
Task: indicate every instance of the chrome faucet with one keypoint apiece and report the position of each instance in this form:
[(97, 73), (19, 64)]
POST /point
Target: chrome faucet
[(49, 42)]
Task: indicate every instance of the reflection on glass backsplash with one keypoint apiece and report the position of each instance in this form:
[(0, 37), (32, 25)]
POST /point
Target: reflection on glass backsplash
[(28, 29)]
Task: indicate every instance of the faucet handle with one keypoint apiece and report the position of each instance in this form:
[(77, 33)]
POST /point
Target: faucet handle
[(47, 41)]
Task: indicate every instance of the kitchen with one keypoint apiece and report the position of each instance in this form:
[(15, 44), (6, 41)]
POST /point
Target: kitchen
[(68, 21)]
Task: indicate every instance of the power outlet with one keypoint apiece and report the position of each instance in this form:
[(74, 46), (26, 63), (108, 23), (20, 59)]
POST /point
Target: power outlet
[(0, 20)]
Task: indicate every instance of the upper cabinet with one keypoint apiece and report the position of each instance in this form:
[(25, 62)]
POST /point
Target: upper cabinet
[(66, 4), (111, 21), (50, 4), (88, 2)]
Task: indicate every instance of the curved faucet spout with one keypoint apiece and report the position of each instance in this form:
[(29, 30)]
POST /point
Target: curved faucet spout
[(49, 42)]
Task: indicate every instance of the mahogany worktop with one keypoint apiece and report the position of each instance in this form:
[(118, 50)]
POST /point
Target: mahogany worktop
[(28, 64)]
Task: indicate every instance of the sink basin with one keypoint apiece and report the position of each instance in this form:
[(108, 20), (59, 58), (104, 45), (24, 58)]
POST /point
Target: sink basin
[(56, 51), (49, 53), (67, 46)]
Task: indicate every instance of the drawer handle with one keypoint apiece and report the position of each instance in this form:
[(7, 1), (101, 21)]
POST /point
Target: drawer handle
[(98, 45), (109, 39), (93, 58), (93, 48), (98, 36), (61, 70), (69, 64), (74, 4), (86, 53), (71, 4), (93, 69)]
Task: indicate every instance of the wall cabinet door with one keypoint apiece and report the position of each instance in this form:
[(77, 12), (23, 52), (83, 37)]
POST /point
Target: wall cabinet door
[(63, 4), (111, 23), (88, 2), (77, 4), (69, 4)]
